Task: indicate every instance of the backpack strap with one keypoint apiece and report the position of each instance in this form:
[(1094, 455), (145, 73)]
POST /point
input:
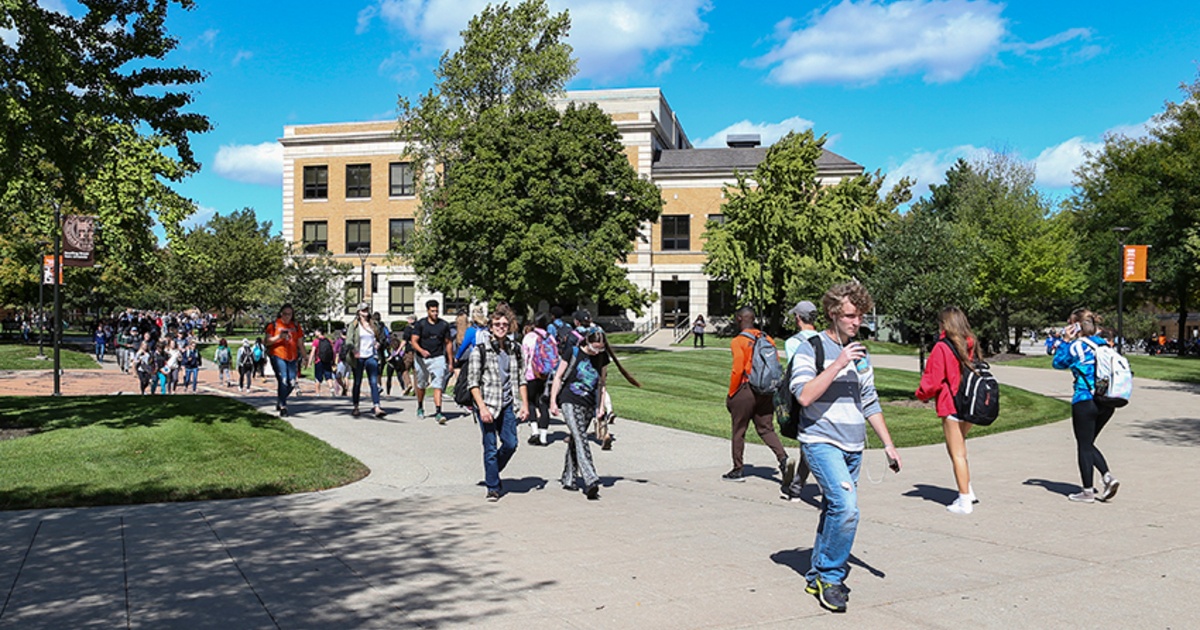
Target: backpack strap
[(818, 351)]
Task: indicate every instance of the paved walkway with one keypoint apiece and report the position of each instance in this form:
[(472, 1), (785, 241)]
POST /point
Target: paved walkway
[(669, 545)]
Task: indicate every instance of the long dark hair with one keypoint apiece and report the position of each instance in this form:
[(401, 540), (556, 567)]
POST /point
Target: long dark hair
[(598, 335)]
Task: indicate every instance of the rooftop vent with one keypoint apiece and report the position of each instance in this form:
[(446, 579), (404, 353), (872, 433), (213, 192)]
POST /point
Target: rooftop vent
[(743, 140)]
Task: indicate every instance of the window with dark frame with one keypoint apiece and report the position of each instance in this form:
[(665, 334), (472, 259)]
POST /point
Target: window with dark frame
[(358, 181), (676, 232), (399, 231), (316, 237), (456, 301), (719, 219), (721, 299), (316, 182), (358, 234), (401, 298), (400, 180), (354, 295)]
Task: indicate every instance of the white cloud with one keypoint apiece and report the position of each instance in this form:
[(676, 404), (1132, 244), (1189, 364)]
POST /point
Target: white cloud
[(398, 68), (251, 163), (242, 55), (209, 37), (199, 217), (611, 38), (1053, 40), (769, 132), (865, 41), (929, 167), (1056, 165)]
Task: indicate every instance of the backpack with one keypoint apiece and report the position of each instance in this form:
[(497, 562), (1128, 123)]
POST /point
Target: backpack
[(787, 408), (258, 353), (462, 387), (978, 397), (247, 358), (545, 355), (223, 355), (325, 352), (1114, 378), (766, 374), (566, 337)]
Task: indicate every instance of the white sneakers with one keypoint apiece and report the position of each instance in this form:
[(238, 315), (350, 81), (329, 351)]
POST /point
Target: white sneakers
[(964, 504), (1110, 487)]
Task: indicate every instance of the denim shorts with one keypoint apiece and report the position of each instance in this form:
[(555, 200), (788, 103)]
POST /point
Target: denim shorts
[(431, 372)]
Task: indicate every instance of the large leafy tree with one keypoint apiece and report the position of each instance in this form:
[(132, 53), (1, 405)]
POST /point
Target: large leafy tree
[(534, 204), (788, 236), (228, 264), (1150, 185), (313, 285)]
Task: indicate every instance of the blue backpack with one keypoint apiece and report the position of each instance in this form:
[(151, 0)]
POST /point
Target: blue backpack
[(766, 374)]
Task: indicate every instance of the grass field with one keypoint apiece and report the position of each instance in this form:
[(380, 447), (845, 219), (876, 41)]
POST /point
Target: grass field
[(106, 450), (18, 357), (876, 347), (687, 390), (1163, 368), (622, 338)]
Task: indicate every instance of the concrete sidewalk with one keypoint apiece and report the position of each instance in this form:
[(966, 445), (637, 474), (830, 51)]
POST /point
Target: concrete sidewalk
[(669, 545)]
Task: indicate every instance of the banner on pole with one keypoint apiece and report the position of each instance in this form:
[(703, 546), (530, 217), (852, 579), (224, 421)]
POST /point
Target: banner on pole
[(48, 270), (79, 240), (1134, 264)]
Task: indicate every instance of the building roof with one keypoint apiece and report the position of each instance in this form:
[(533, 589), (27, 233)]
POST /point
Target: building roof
[(727, 160)]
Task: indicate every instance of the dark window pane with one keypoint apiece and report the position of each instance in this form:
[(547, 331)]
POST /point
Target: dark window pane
[(354, 295), (358, 235), (315, 237), (456, 301), (401, 180), (676, 230), (721, 300), (316, 182), (358, 181), (399, 231), (401, 298)]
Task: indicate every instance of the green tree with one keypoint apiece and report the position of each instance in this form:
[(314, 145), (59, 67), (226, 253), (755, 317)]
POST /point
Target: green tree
[(1149, 185), (787, 236), (227, 264), (312, 284), (1019, 252), (536, 204)]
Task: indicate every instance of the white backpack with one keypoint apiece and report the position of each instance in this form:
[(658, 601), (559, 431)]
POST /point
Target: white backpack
[(1114, 378)]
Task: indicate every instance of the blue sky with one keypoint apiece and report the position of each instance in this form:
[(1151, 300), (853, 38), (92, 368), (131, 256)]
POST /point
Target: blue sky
[(901, 86)]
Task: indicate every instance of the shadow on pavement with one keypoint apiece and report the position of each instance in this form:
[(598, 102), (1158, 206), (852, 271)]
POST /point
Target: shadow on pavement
[(1168, 431), (933, 494), (800, 559), (1057, 487)]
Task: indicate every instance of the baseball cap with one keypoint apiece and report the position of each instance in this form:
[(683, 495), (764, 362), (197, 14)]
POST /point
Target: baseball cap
[(362, 306), (805, 310), (582, 315)]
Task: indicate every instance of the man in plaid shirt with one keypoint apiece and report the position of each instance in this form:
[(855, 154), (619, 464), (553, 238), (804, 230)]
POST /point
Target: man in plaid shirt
[(496, 369)]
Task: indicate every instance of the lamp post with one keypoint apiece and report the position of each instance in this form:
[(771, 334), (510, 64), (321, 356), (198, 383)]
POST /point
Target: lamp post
[(362, 263), (42, 299), (56, 333), (1121, 289)]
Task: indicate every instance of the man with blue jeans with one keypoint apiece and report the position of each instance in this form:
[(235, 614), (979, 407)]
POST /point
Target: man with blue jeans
[(839, 399), (497, 382)]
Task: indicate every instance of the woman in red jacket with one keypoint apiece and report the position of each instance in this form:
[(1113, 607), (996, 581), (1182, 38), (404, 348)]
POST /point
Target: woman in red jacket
[(943, 373)]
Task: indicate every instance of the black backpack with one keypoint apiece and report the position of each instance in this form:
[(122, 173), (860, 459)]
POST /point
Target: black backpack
[(462, 387), (787, 408), (325, 352), (978, 397)]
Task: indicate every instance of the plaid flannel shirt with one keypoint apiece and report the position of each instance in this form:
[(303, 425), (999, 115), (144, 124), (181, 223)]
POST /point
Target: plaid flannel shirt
[(485, 374)]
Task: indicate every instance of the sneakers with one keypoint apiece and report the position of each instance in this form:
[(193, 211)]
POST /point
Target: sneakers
[(832, 597), (420, 412), (1110, 487), (802, 471), (440, 418), (493, 496), (961, 505), (734, 475), (789, 495), (787, 468), (1087, 495), (355, 412), (593, 492), (283, 412), (971, 494), (607, 446), (534, 440)]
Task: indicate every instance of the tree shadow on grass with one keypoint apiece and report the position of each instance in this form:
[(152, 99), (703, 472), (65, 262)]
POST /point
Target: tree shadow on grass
[(122, 412)]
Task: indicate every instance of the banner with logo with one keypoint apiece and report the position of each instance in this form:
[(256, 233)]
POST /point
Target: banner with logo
[(79, 240), (48, 270), (1134, 263)]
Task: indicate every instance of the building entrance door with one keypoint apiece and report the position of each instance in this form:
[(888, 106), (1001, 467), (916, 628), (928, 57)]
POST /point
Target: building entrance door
[(674, 300)]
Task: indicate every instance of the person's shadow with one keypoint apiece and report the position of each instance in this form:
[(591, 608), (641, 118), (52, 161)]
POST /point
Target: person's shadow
[(934, 494), (1057, 487), (800, 561)]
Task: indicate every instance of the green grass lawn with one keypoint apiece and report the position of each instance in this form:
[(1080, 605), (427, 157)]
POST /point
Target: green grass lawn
[(105, 450), (876, 347), (18, 357), (1163, 368), (622, 338), (686, 390)]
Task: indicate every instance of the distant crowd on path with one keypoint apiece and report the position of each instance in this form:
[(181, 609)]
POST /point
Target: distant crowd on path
[(826, 394)]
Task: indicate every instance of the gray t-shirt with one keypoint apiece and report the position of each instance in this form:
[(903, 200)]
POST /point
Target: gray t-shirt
[(504, 361), (839, 416)]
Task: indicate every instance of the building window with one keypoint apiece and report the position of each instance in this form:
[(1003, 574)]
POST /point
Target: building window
[(399, 231), (718, 219), (721, 300), (316, 237), (316, 182), (456, 301), (358, 235), (401, 297), (676, 230), (354, 295), (358, 181), (400, 180)]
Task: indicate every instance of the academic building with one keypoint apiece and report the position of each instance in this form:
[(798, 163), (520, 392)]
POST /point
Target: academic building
[(348, 190)]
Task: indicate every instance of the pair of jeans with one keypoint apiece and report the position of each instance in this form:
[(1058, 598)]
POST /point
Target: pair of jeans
[(100, 351), (190, 377), (504, 427), (285, 377), (837, 473), (371, 365), (579, 453)]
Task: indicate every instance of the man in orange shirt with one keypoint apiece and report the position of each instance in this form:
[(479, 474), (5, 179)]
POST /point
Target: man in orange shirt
[(283, 339), (744, 405)]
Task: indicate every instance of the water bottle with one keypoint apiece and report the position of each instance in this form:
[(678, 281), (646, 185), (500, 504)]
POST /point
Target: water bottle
[(863, 365)]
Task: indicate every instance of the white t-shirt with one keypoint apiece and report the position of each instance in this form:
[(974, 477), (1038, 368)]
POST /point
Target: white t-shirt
[(366, 342)]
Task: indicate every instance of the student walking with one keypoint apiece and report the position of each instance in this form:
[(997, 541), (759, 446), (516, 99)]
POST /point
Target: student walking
[(746, 406), (1076, 351), (283, 339), (541, 362), (224, 359), (245, 363), (501, 398), (145, 368), (191, 366), (432, 339), (365, 338), (941, 379)]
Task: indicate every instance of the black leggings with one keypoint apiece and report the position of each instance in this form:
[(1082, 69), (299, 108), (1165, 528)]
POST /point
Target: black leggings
[(395, 366), (539, 407), (1087, 419)]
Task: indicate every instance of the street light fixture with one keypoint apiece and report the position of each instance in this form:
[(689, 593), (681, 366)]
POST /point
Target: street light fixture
[(1121, 231)]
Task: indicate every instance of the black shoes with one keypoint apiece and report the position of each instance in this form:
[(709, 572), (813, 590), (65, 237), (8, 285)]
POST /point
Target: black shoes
[(608, 440), (593, 492), (493, 496), (833, 597), (734, 475), (283, 412)]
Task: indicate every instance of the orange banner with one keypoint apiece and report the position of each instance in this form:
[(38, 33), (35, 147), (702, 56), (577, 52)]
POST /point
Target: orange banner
[(48, 270), (1134, 264)]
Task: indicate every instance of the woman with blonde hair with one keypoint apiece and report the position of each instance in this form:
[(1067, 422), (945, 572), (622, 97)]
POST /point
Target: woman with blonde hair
[(943, 373), (1076, 351)]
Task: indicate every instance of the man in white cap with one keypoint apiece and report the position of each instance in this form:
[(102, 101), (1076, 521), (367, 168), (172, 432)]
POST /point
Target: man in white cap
[(805, 314)]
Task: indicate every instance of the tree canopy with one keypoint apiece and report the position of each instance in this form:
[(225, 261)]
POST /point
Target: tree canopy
[(230, 263), (534, 204), (786, 236)]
